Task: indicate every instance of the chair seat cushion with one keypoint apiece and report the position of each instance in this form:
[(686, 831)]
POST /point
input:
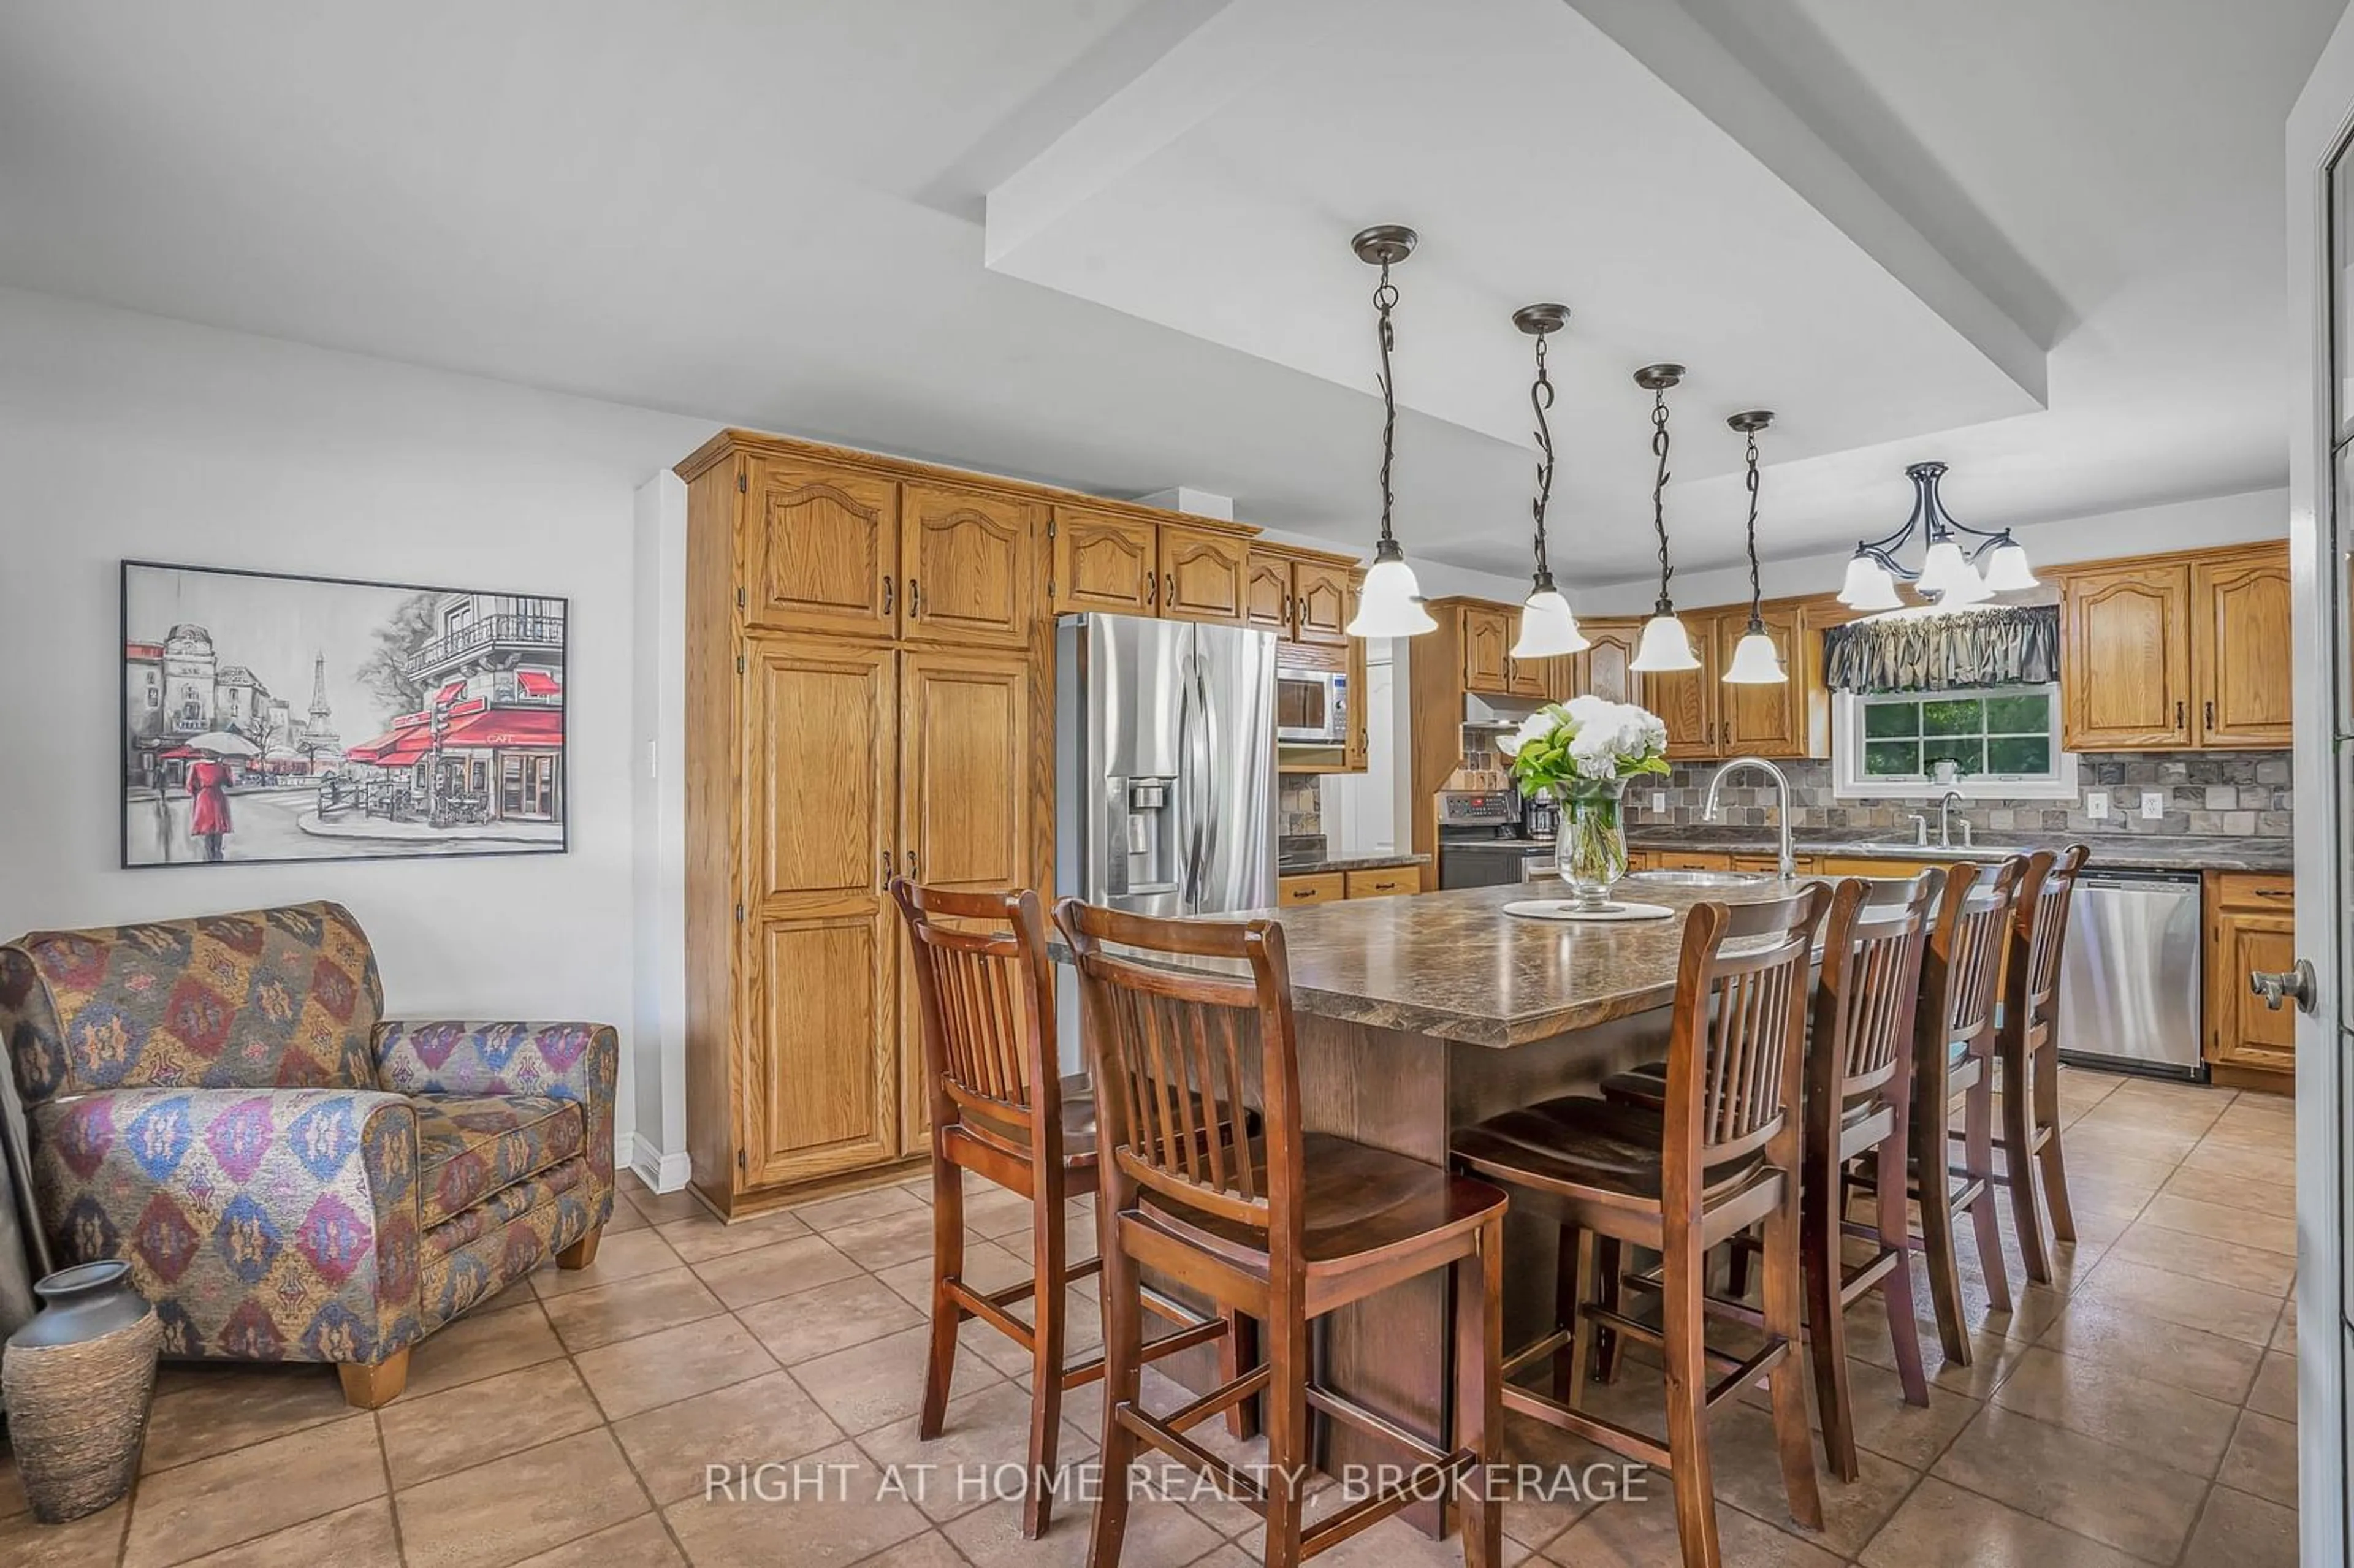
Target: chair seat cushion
[(469, 1148), (1355, 1199), (1577, 1142)]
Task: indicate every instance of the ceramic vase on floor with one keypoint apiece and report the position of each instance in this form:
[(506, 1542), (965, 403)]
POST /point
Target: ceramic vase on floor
[(77, 1381)]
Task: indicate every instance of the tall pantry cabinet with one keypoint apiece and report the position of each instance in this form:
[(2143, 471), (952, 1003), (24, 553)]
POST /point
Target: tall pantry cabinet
[(869, 665)]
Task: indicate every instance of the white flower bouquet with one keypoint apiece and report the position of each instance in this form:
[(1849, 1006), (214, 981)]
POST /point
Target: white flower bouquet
[(1588, 740)]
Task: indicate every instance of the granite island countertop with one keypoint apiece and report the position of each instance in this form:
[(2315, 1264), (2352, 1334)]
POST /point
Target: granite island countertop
[(2123, 851), (1453, 965)]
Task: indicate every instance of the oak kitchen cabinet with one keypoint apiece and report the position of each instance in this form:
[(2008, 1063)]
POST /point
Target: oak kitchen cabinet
[(1332, 887), (2251, 924), (1762, 720), (2176, 652), (869, 691), (1686, 700), (1301, 598)]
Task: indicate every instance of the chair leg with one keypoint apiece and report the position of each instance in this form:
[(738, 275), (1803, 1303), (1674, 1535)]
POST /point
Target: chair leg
[(2018, 1138), (1048, 1271), (583, 1253), (371, 1388), (1929, 1156), (1610, 1290), (1683, 1275), (1574, 1277), (1239, 1353), (1780, 1305), (1818, 1242), (1287, 1436), (1123, 1313), (1736, 1270), (1977, 1160), (1479, 1390), (948, 1263), (1896, 1286), (2055, 1168)]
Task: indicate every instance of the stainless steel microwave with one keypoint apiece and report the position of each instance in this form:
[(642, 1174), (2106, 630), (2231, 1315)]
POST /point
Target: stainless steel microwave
[(1312, 707)]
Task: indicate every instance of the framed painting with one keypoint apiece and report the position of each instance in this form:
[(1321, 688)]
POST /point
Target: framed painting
[(273, 717)]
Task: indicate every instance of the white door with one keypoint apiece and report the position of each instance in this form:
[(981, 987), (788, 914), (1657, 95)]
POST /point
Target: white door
[(2321, 528)]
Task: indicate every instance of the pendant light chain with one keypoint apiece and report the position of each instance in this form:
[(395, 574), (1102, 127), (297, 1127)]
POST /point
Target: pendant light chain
[(1756, 616), (1386, 296), (1659, 494), (1541, 399)]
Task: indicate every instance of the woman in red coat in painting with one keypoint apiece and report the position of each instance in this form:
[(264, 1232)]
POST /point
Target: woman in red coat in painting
[(208, 803)]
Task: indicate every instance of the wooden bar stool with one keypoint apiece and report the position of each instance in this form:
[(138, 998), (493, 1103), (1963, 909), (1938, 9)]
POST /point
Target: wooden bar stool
[(1723, 1154), (1001, 1110), (1284, 1231), (1953, 1055), (2027, 1043), (1859, 1084)]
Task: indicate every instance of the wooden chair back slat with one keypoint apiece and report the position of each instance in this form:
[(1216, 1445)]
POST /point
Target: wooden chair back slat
[(1739, 1020), (979, 965), (2040, 930), (1173, 1042), (1961, 971), (1870, 985)]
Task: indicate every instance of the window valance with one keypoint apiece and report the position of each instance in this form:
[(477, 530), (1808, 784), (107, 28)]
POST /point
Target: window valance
[(2000, 645)]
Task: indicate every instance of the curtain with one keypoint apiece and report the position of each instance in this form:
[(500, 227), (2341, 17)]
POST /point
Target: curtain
[(2001, 645)]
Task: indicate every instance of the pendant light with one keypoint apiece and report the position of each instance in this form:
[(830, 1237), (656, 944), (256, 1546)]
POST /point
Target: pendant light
[(1390, 604), (1949, 558), (1666, 645), (1547, 627), (1754, 662)]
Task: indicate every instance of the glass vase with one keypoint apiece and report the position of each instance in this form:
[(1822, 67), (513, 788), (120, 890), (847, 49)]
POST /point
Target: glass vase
[(1590, 846)]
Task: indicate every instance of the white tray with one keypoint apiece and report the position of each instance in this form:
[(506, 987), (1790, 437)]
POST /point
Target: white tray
[(1558, 909)]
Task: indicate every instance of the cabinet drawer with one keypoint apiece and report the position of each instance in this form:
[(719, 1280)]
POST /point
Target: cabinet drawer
[(2267, 891), (1388, 880), (1317, 887)]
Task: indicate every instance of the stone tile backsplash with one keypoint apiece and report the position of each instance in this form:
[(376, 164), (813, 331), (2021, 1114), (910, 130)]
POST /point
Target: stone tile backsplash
[(2240, 794), (1299, 803)]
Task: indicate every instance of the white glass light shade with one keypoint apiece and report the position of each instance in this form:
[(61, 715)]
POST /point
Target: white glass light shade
[(1869, 586), (1755, 662), (1547, 628), (1964, 587), (1390, 604), (1665, 647), (1941, 567), (2006, 571)]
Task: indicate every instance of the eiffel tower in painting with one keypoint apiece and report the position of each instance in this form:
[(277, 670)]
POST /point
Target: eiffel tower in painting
[(319, 737)]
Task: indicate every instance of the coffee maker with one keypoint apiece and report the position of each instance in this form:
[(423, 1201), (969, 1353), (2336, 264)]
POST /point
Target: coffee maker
[(1539, 817)]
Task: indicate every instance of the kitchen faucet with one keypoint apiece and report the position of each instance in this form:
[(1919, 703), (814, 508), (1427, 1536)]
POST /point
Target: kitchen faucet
[(1787, 862), (1946, 821)]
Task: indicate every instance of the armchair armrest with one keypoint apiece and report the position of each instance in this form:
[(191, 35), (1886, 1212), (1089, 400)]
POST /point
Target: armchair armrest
[(566, 1060), (265, 1225)]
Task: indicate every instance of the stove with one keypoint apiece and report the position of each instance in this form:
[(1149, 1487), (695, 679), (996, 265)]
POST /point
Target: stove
[(1483, 838)]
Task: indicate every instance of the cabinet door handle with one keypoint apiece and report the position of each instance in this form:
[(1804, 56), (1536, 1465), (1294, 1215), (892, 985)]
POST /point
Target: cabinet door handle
[(886, 593), (915, 599), (890, 871), (912, 872), (1151, 589), (2179, 718), (2210, 713), (1168, 588)]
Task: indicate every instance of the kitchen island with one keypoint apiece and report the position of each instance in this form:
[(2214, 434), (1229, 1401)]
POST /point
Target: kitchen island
[(1418, 1016)]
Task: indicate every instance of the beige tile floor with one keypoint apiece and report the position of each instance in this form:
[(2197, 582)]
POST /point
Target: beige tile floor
[(2143, 1411)]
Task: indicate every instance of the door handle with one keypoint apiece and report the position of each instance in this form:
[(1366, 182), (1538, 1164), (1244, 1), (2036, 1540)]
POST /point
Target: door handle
[(2295, 983), (915, 599), (1168, 588), (886, 593), (2210, 713), (2179, 718), (912, 873), (889, 870)]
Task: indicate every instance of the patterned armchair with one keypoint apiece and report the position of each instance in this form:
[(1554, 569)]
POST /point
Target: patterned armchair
[(291, 1176)]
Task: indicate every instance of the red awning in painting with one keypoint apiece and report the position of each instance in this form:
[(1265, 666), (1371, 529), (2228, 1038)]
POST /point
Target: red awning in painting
[(448, 694), (508, 726), (537, 684), (405, 744)]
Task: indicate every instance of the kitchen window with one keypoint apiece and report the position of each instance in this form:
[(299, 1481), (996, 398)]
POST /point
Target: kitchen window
[(1991, 743)]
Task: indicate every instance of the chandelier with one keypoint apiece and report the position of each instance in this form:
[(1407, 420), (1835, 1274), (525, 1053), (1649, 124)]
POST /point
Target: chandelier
[(1390, 604), (1547, 627), (1950, 563)]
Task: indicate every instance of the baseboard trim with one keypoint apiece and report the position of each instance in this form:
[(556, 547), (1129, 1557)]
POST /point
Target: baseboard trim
[(663, 1172)]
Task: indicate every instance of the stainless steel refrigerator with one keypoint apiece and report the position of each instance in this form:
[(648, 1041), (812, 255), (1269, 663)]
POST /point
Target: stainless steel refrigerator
[(1164, 765)]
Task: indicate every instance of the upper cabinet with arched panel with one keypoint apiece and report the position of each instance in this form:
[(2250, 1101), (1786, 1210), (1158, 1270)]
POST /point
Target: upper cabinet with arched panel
[(971, 564)]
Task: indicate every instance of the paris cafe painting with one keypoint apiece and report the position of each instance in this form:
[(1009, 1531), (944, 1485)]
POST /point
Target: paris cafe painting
[(268, 717)]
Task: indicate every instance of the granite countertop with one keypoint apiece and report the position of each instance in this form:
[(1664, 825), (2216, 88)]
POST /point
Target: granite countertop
[(2123, 851), (1302, 868), (1454, 965)]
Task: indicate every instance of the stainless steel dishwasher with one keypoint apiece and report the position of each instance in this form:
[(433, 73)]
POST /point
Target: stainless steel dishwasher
[(2129, 975)]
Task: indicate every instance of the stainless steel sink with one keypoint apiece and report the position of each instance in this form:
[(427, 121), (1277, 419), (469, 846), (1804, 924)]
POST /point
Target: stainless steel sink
[(1701, 878)]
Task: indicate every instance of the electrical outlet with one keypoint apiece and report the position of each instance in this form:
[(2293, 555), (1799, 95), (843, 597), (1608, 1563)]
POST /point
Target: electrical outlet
[(1659, 799), (2153, 805), (2096, 803)]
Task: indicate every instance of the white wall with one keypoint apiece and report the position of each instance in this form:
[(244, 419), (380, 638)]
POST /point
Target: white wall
[(129, 435), (2146, 530)]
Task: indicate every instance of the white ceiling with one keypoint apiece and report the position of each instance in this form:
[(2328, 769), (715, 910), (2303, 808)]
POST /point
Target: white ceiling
[(1105, 243)]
